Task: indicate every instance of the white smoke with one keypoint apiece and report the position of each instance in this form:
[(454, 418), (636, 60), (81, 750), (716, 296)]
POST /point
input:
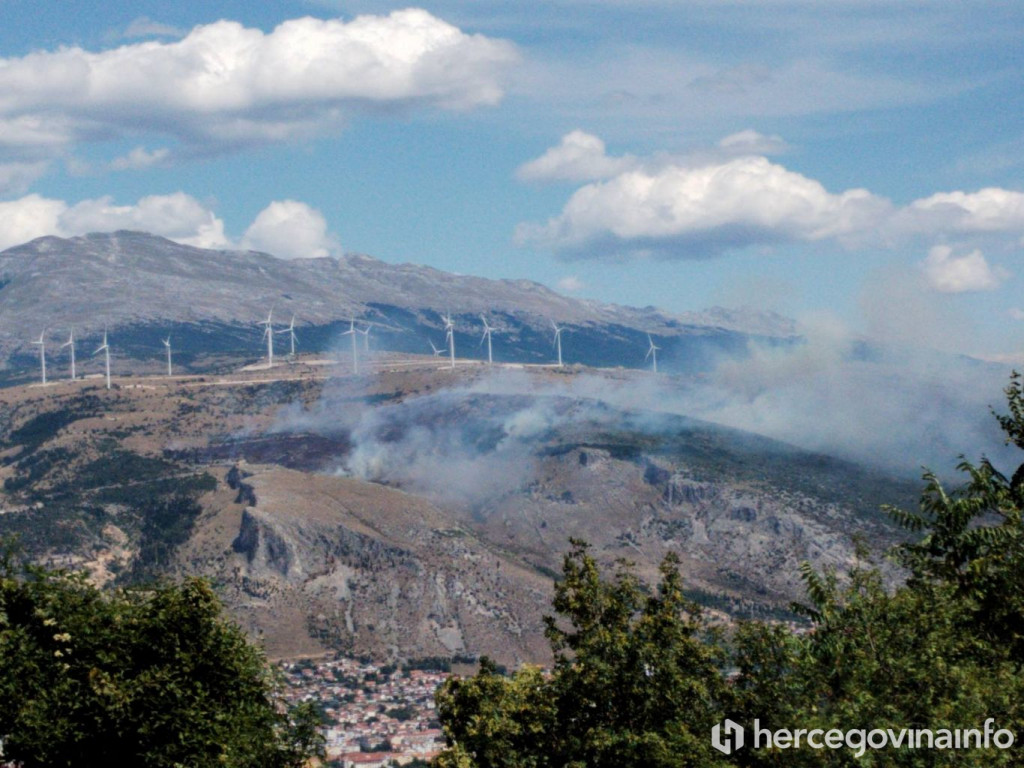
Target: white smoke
[(891, 408)]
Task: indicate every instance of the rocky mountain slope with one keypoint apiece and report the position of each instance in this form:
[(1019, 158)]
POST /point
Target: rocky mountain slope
[(416, 511), (141, 287)]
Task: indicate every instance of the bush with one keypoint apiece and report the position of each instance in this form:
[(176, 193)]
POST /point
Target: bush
[(131, 677)]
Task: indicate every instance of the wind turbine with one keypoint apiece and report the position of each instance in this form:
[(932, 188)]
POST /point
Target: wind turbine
[(366, 337), (487, 336), (355, 355), (71, 343), (268, 334), (558, 341), (167, 343), (449, 335), (437, 352), (652, 352), (290, 330), (104, 347), (42, 354)]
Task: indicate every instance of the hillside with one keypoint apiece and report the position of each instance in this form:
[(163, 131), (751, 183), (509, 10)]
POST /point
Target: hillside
[(142, 288), (416, 511)]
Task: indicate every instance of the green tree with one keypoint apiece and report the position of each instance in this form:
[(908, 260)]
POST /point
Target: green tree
[(637, 675), (973, 543), (874, 658), (636, 682), (493, 720), (942, 650), (639, 679), (151, 677)]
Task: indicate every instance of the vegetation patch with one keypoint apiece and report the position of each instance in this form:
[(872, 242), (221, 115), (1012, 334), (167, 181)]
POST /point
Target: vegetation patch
[(44, 426)]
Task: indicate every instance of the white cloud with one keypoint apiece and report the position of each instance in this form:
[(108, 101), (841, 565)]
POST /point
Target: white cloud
[(139, 158), (285, 228), (27, 136), (570, 284), (28, 218), (750, 142), (1016, 313), (176, 216), (290, 230), (227, 83), (579, 156), (732, 198), (703, 210), (987, 210), (947, 273), (16, 178)]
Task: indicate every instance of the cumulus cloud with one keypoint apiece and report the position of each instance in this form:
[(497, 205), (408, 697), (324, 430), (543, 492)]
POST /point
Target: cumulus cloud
[(28, 218), (694, 211), (290, 230), (139, 158), (285, 228), (176, 216), (987, 210), (947, 273), (228, 84), (1016, 313), (734, 197), (579, 156)]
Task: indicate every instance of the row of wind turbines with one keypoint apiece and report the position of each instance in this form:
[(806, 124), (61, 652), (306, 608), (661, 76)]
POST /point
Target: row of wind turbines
[(268, 336), (104, 348), (269, 332), (449, 340), (353, 332), (449, 329)]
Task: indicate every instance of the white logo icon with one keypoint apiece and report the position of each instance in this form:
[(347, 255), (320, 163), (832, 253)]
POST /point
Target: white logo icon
[(727, 737)]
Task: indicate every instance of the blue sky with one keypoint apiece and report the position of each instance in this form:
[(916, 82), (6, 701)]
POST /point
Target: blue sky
[(851, 163)]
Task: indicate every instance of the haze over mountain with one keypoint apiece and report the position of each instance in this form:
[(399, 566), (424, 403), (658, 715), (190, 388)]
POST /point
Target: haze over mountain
[(131, 280), (823, 389)]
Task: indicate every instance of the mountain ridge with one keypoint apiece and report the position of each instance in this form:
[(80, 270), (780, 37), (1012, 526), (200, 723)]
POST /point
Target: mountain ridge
[(127, 278)]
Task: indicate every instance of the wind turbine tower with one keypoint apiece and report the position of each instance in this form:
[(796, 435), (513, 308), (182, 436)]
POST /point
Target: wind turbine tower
[(355, 354), (366, 337), (268, 334), (652, 352), (71, 343), (487, 336), (449, 331), (167, 343), (558, 341), (105, 348), (42, 354), (290, 330)]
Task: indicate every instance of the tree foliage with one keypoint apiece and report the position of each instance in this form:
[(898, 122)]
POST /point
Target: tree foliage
[(636, 682), (639, 679), (152, 677)]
